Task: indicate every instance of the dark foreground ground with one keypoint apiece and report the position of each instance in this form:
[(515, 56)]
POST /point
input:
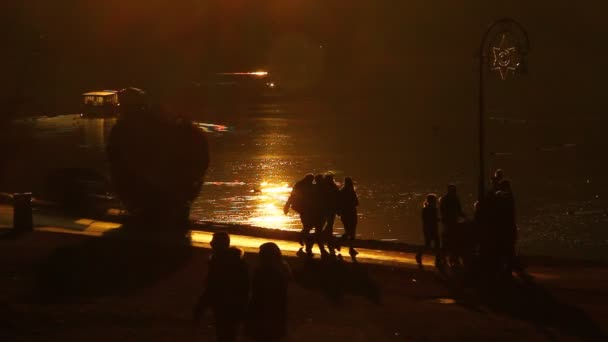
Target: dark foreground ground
[(64, 287)]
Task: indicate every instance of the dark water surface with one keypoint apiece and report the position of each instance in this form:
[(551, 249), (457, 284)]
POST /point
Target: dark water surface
[(556, 170)]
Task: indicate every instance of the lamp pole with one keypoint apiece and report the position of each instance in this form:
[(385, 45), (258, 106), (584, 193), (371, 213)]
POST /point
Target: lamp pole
[(506, 59), (482, 179)]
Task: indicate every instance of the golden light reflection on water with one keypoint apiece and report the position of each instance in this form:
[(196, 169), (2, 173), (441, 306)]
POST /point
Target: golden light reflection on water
[(268, 210)]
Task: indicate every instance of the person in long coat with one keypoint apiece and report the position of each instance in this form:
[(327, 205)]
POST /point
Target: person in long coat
[(267, 311), (347, 208)]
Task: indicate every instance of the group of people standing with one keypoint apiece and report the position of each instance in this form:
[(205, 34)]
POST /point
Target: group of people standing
[(259, 301), (318, 199), (486, 242)]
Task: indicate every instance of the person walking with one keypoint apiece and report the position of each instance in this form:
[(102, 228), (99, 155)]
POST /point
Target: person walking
[(430, 230), (227, 288), (485, 228), (301, 200), (332, 193), (451, 213), (267, 311), (347, 208), (320, 210)]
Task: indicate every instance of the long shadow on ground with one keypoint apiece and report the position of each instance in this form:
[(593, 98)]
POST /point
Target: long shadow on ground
[(336, 278), (115, 264), (524, 299)]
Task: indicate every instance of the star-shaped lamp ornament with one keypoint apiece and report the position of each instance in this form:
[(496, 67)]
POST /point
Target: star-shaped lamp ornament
[(505, 58)]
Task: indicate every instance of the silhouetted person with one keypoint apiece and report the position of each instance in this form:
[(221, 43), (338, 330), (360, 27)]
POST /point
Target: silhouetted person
[(451, 213), (485, 228), (267, 312), (331, 192), (227, 288), (320, 210), (301, 200), (430, 229), (506, 227), (347, 207)]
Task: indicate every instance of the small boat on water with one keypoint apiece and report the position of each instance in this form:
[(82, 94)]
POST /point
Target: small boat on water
[(239, 87), (96, 104)]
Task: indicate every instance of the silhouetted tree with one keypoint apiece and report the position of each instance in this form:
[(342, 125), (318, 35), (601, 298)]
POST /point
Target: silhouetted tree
[(157, 163)]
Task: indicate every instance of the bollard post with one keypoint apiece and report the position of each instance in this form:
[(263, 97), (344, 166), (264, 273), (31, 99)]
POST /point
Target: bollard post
[(22, 212)]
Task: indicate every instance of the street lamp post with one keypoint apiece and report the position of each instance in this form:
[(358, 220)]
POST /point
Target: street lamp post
[(510, 45)]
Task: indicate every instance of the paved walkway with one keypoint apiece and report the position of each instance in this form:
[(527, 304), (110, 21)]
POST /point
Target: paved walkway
[(90, 227)]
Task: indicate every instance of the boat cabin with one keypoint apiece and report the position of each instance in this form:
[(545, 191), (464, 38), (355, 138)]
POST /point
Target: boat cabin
[(100, 103)]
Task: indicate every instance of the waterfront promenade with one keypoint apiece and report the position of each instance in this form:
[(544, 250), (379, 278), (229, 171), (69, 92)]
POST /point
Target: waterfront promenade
[(383, 298)]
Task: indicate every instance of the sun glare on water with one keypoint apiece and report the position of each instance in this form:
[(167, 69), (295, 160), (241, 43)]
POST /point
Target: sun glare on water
[(269, 204)]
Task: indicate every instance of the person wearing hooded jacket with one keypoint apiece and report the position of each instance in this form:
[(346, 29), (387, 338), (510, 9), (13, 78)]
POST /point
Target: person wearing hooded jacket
[(267, 312), (227, 288), (301, 201)]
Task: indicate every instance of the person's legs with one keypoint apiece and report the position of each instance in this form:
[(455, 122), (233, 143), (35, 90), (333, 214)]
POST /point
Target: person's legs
[(508, 254), (319, 224), (423, 249), (304, 231), (445, 246), (328, 232), (344, 235), (350, 226), (436, 248), (305, 238), (489, 251), (456, 245), (495, 260), (451, 243), (349, 231)]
